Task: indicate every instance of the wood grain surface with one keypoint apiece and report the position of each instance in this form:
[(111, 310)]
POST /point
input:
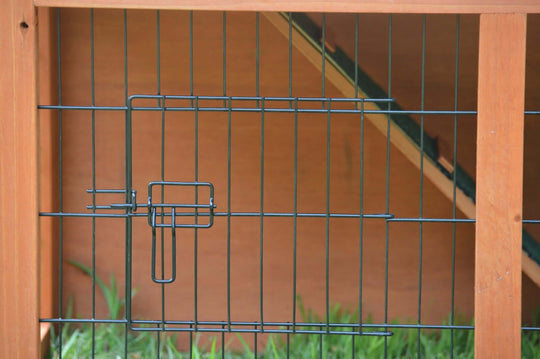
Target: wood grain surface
[(379, 6), (19, 249), (499, 175)]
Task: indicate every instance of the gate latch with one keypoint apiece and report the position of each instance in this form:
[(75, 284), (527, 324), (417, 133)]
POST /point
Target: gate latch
[(168, 215), (174, 210)]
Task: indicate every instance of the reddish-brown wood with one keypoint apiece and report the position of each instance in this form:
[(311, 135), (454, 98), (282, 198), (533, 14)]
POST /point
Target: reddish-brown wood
[(48, 168), (45, 338), (395, 6), (19, 249), (501, 88)]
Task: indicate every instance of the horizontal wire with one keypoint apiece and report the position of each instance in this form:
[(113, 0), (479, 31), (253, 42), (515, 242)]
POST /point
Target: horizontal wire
[(387, 216), (256, 110), (256, 330), (88, 215), (261, 98), (221, 214), (267, 109), (436, 220), (82, 108), (268, 324), (105, 191), (83, 321)]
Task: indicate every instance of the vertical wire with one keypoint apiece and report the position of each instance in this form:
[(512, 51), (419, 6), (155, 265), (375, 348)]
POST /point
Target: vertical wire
[(158, 54), (196, 237), (454, 185), (196, 232), (162, 177), (261, 229), (158, 341), (229, 140), (93, 99), (290, 57), (224, 57), (361, 249), (353, 351), (421, 228), (255, 349), (361, 245), (129, 220), (328, 218), (295, 216), (387, 205), (162, 165), (60, 189), (129, 182), (190, 343), (356, 59), (261, 234), (257, 56), (288, 343), (361, 254), (320, 346), (295, 190), (223, 342), (323, 52), (128, 280), (191, 55)]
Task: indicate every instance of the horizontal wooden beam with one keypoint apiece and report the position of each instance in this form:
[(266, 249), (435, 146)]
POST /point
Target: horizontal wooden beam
[(378, 6), (398, 138)]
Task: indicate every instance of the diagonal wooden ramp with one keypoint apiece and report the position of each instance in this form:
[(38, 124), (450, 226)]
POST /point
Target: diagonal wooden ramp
[(405, 133)]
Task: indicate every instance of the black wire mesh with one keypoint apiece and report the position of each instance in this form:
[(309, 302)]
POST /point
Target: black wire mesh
[(211, 122)]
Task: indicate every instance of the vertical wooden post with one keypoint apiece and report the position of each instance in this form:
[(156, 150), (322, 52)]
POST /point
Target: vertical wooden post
[(499, 178), (48, 169), (19, 249)]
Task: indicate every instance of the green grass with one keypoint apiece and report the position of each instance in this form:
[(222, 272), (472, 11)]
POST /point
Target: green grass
[(109, 339)]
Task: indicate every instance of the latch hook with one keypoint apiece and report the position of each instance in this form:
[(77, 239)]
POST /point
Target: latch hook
[(173, 251)]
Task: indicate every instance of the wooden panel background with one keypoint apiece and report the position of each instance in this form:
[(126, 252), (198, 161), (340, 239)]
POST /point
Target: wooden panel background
[(208, 77), (403, 253), (404, 187)]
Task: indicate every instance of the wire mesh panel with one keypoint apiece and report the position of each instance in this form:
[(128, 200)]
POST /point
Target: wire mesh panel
[(268, 113), (274, 180)]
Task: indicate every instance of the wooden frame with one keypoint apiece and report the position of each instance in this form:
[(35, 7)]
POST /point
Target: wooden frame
[(499, 192), (500, 151), (19, 246), (48, 168), (385, 6)]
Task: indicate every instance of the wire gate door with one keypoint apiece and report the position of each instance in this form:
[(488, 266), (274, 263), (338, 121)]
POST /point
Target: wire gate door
[(176, 211)]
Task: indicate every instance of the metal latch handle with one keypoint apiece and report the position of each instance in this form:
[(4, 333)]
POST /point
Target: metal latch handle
[(173, 251)]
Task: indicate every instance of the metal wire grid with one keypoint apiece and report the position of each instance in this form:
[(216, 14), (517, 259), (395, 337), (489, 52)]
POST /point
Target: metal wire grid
[(261, 105)]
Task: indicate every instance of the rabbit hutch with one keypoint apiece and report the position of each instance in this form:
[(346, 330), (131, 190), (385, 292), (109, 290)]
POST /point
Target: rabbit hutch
[(221, 175)]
